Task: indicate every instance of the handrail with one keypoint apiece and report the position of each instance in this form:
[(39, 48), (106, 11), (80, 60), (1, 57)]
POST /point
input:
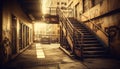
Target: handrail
[(74, 30), (96, 25), (72, 25)]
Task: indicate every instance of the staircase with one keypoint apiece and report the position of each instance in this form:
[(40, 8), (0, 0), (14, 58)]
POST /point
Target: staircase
[(81, 41), (91, 46)]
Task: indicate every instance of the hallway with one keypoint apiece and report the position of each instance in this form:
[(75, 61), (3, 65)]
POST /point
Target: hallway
[(36, 34), (54, 58), (50, 56)]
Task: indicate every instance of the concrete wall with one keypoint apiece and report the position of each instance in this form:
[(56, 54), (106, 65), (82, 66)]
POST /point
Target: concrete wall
[(10, 9), (106, 15), (0, 20)]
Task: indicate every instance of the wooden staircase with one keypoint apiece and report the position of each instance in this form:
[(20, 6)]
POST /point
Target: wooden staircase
[(91, 46)]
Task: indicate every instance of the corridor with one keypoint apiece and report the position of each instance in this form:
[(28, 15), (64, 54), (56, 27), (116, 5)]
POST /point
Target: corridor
[(59, 34), (50, 56)]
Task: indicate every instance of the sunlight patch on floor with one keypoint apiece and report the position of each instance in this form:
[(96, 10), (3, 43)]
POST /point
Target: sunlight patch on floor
[(39, 51)]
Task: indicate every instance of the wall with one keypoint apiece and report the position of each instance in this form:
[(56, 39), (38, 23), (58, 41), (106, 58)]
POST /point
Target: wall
[(10, 9), (106, 15), (0, 20)]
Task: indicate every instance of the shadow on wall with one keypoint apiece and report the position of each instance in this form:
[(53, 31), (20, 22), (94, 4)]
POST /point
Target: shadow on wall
[(114, 37)]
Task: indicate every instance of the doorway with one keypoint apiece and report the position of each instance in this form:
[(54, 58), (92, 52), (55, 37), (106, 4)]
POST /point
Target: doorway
[(13, 34), (46, 33)]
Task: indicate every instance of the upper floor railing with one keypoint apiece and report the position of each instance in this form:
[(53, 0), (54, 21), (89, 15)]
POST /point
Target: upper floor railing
[(52, 11)]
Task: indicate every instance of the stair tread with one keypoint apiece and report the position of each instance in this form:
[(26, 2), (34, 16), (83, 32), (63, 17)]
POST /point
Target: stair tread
[(88, 44), (90, 41), (88, 56), (96, 47), (87, 34), (95, 55), (93, 51), (92, 44), (85, 37), (89, 38)]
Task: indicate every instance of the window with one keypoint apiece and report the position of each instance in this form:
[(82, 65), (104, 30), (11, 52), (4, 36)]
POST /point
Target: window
[(63, 8), (63, 3), (95, 2), (87, 4), (58, 3)]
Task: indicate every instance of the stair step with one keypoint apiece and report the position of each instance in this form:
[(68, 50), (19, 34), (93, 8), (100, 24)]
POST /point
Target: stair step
[(93, 48), (91, 45), (86, 36), (94, 52), (89, 36), (89, 39), (94, 56), (77, 27), (82, 29), (89, 42)]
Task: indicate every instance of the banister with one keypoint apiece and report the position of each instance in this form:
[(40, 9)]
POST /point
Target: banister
[(72, 25), (96, 25), (74, 32)]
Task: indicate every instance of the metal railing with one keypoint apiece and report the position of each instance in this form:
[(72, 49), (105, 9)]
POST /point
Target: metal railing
[(73, 32), (52, 11), (96, 25)]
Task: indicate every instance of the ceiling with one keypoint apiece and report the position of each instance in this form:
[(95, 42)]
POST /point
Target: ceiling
[(32, 8)]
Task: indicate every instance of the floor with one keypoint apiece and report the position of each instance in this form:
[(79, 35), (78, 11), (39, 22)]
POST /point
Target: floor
[(50, 56)]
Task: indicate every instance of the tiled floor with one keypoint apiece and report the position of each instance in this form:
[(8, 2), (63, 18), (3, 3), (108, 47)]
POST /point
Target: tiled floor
[(50, 56)]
